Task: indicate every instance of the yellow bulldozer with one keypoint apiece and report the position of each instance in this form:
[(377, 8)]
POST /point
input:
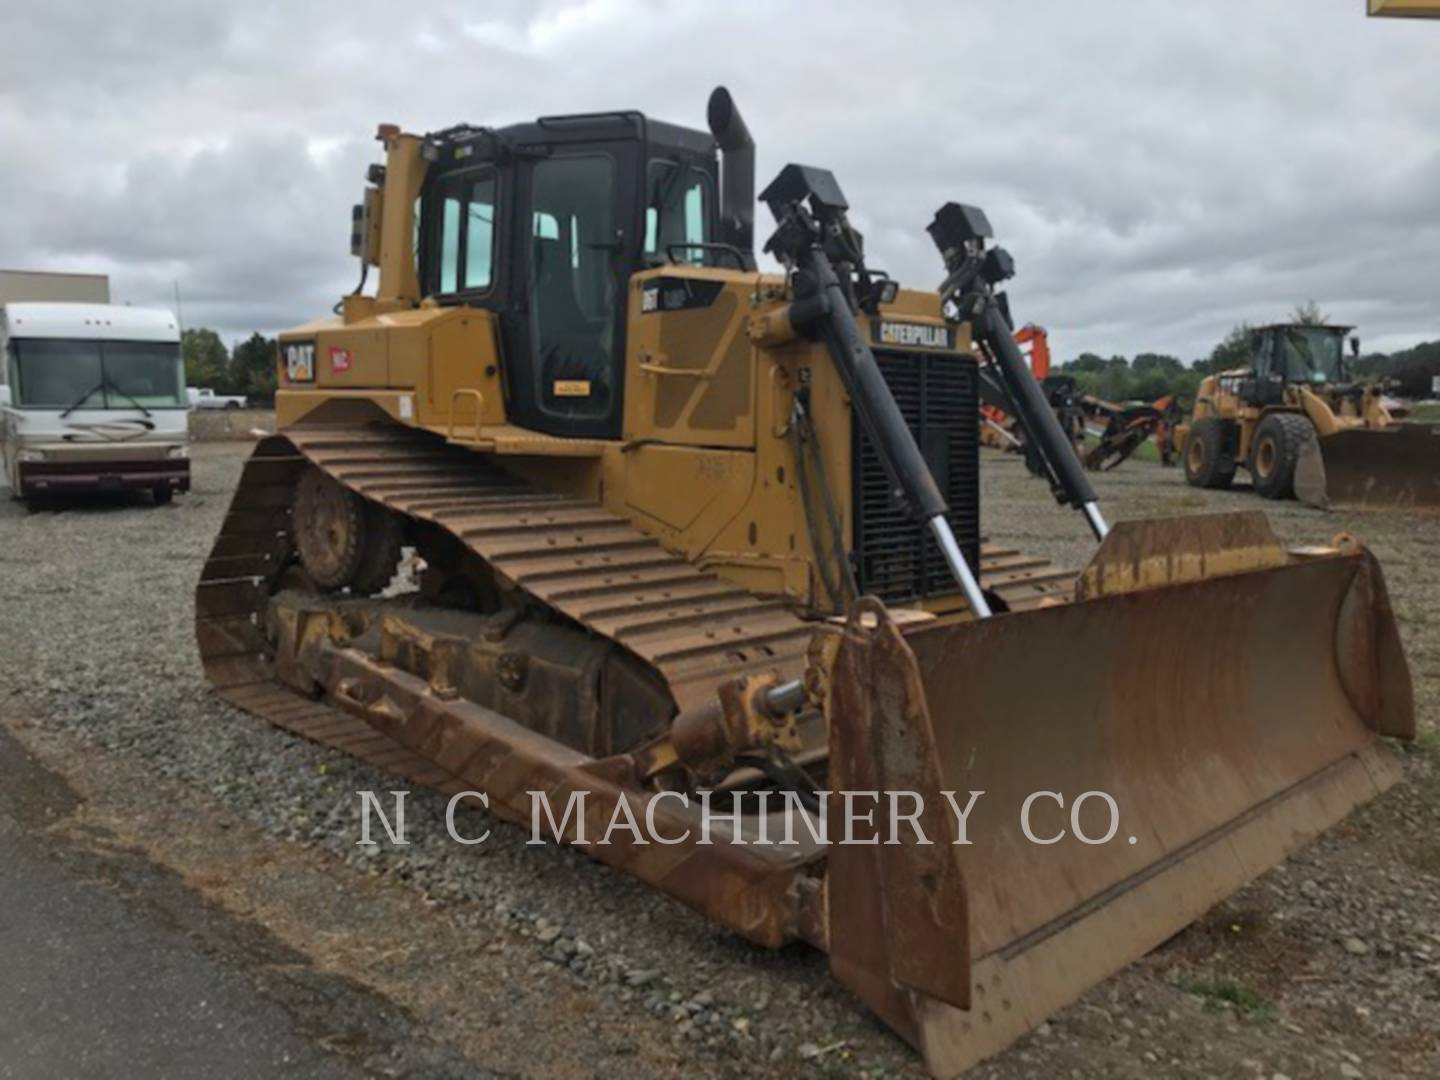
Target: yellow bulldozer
[(1297, 422), (700, 546)]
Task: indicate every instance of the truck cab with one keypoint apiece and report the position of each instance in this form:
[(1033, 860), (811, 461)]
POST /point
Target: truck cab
[(94, 400)]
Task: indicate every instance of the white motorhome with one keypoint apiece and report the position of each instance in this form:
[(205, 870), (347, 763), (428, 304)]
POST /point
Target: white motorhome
[(93, 400)]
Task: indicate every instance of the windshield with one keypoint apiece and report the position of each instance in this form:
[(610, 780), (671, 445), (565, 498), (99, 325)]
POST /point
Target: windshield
[(55, 373), (1314, 354)]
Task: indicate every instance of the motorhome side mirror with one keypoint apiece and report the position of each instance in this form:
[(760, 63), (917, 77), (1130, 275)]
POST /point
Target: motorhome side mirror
[(1355, 346)]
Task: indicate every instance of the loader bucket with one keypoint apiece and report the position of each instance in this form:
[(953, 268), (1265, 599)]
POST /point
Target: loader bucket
[(1395, 468), (1225, 695)]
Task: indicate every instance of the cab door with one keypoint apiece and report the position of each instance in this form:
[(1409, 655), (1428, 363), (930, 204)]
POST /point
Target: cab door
[(578, 245)]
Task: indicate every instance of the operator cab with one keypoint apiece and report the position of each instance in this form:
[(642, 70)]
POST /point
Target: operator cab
[(1290, 353), (544, 223), (1301, 354)]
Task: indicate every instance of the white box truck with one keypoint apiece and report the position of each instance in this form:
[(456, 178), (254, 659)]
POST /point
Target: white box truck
[(93, 400)]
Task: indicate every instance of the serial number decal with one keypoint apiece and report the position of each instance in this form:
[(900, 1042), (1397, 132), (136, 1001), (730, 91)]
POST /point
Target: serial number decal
[(914, 335), (572, 387), (299, 357)]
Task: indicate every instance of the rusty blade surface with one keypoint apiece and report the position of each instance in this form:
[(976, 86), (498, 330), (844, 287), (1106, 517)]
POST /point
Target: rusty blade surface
[(1230, 718), (1397, 468), (1189, 705)]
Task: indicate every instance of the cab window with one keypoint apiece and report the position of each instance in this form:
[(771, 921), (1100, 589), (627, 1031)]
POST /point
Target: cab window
[(463, 232), (678, 209), (480, 233), (449, 244)]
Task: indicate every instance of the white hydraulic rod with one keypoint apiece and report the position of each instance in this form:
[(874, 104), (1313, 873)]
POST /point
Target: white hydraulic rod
[(940, 528), (1096, 520)]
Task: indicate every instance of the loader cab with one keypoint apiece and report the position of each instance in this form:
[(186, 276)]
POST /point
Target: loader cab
[(544, 223), (1286, 354)]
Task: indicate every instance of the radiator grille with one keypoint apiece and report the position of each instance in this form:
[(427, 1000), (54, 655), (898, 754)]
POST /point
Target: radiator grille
[(895, 557)]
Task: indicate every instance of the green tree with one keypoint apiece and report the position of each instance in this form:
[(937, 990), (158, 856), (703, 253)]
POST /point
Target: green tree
[(1155, 376), (1148, 363), (1234, 351), (1116, 383), (1309, 314), (252, 368), (1085, 362), (206, 359), (1413, 369)]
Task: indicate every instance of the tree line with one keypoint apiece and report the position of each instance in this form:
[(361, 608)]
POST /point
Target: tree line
[(1151, 376), (247, 369)]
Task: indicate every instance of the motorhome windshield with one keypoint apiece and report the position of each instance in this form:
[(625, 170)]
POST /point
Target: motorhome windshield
[(58, 373)]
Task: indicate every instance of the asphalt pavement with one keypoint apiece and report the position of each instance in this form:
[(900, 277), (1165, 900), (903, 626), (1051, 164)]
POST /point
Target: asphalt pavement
[(111, 967)]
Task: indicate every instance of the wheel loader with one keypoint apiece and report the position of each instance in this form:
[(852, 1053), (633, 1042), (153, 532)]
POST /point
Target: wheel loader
[(1302, 428), (701, 545)]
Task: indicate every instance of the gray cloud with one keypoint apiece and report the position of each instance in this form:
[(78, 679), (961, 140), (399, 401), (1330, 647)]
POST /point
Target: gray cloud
[(1160, 171)]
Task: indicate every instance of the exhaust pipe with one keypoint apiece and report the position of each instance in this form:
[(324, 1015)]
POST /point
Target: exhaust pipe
[(737, 173)]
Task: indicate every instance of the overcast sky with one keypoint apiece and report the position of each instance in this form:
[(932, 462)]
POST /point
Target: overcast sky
[(1159, 169)]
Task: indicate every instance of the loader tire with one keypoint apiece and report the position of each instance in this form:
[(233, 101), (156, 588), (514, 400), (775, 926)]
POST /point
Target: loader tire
[(344, 540), (1279, 440), (1208, 463)]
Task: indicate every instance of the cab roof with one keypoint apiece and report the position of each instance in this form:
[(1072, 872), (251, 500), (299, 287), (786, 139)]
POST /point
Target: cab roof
[(109, 322), (577, 127), (1304, 326)]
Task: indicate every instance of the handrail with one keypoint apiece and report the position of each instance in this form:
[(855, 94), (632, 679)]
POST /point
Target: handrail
[(479, 408), (660, 368)]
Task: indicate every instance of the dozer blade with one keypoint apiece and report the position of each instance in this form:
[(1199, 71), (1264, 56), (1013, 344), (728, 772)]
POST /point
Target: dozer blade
[(1227, 696), (1397, 468)]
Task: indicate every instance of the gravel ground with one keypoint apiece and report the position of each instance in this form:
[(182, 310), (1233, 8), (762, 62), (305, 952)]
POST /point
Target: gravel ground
[(1327, 966), (220, 425)]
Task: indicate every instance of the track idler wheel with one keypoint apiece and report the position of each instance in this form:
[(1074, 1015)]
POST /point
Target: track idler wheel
[(344, 540)]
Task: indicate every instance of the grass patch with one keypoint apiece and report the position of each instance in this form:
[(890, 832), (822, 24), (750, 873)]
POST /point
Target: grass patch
[(1219, 994), (1426, 412), (1427, 740), (1146, 451)]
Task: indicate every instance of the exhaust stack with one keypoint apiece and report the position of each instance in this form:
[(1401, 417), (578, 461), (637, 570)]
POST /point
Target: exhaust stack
[(737, 173)]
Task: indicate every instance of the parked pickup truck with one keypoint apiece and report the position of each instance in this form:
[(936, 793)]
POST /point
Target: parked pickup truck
[(205, 398)]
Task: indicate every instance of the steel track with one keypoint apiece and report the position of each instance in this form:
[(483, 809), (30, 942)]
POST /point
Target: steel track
[(569, 554)]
